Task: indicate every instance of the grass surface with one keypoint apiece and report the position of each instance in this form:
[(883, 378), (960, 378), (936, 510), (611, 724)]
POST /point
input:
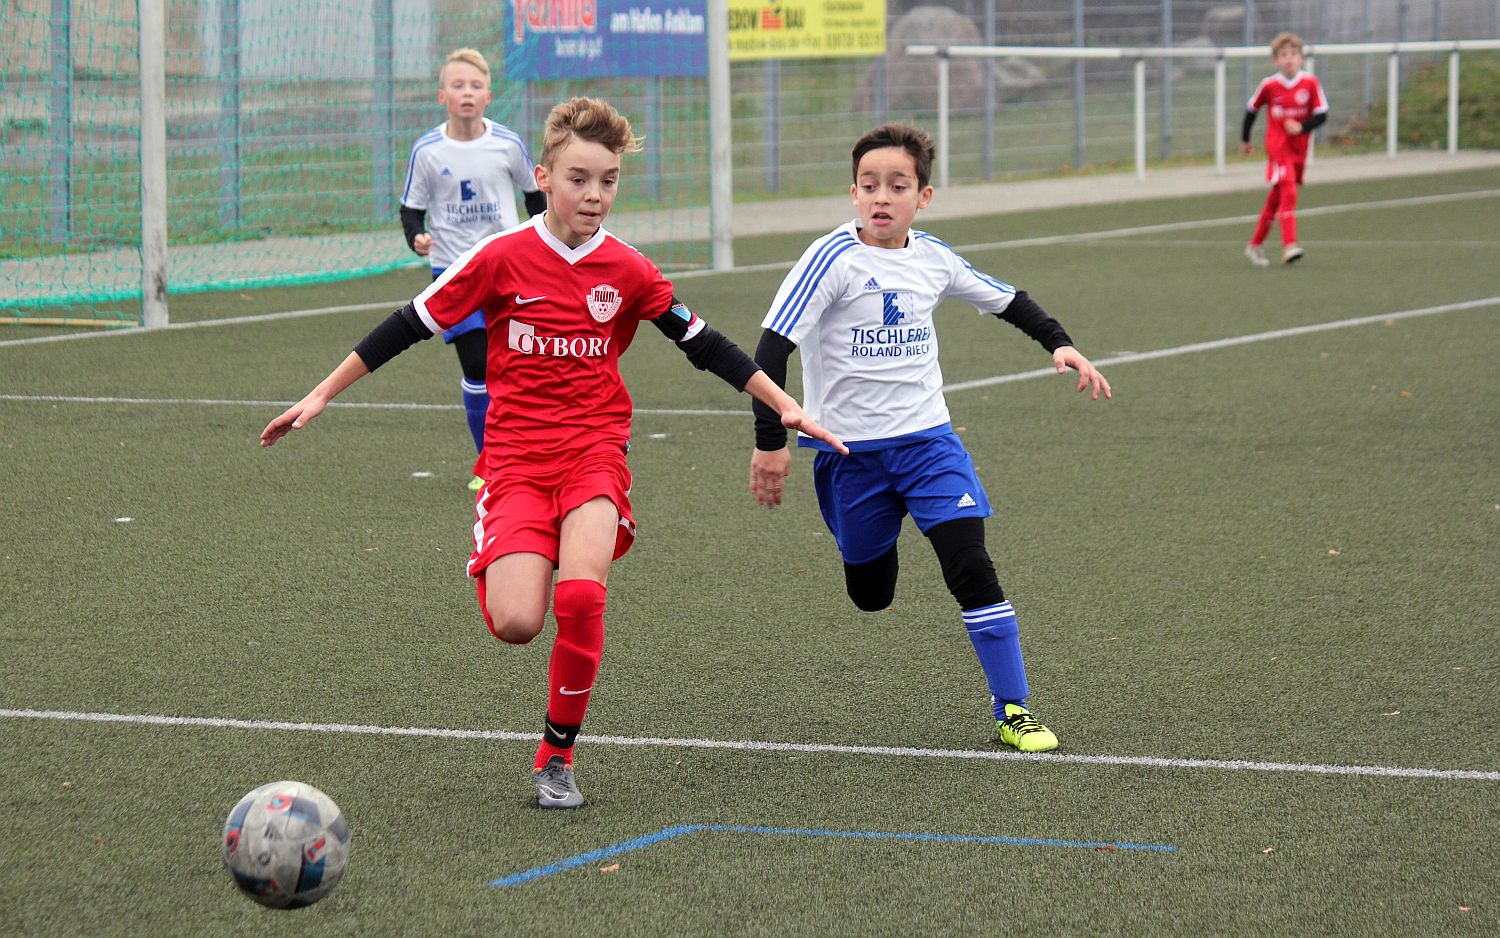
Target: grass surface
[(1276, 552)]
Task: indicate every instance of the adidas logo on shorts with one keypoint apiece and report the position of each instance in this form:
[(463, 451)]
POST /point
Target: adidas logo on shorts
[(967, 501)]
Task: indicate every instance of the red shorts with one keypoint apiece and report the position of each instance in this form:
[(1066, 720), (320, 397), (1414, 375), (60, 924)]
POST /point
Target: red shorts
[(521, 509), (1278, 171)]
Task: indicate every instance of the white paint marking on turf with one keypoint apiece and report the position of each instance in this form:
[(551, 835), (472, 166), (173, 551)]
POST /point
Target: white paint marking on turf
[(787, 265), (362, 405), (756, 746), (1129, 357), (1122, 359)]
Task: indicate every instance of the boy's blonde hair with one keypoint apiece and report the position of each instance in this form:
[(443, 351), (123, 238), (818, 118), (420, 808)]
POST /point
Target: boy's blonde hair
[(1286, 39), (467, 56), (587, 119)]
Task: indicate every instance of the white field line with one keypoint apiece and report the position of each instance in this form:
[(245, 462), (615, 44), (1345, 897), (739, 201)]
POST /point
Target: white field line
[(1235, 765), (396, 405), (1129, 357), (1122, 359), (1219, 244), (786, 265)]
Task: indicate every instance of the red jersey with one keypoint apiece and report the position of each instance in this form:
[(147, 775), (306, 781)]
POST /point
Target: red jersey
[(557, 320), (1299, 98)]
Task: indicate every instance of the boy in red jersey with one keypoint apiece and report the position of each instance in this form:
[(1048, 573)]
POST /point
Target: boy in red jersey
[(562, 299), (1296, 106)]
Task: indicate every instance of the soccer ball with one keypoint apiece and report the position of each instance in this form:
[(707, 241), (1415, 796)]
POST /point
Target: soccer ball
[(286, 845)]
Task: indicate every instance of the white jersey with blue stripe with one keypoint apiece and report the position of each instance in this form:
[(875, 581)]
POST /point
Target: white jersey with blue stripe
[(466, 187), (862, 319)]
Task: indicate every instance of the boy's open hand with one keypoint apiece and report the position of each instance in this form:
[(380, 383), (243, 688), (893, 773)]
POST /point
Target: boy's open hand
[(1088, 376), (768, 471), (1292, 127), (295, 418)]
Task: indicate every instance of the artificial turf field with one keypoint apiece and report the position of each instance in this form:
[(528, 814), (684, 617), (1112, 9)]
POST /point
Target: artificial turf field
[(1257, 592)]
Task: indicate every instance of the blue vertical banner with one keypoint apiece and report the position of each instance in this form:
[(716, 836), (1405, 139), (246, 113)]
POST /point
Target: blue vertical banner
[(605, 39)]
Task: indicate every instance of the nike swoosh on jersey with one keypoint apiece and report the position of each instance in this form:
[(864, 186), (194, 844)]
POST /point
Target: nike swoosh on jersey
[(523, 301)]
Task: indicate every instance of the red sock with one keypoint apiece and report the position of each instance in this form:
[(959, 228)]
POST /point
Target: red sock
[(1267, 212), (578, 606), (1287, 213)]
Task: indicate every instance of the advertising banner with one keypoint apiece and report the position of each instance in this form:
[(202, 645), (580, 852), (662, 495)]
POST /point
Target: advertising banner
[(805, 29), (605, 39)]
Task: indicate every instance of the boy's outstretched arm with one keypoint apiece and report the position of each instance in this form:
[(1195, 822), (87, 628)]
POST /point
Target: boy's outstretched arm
[(350, 370), (767, 392), (398, 332), (1025, 314), (710, 350)]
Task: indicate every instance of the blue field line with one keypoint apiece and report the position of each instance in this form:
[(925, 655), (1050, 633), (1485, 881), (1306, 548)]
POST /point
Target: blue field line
[(678, 830)]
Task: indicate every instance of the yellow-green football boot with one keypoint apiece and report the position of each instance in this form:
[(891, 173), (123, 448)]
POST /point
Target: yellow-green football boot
[(1021, 730)]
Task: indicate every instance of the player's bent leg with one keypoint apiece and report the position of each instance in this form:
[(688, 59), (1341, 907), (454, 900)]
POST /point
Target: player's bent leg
[(513, 594), (872, 585)]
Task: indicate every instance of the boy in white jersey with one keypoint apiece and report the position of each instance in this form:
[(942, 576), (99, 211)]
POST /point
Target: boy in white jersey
[(458, 185), (859, 305)]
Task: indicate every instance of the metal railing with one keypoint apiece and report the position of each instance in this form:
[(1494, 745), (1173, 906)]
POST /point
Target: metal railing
[(1221, 55)]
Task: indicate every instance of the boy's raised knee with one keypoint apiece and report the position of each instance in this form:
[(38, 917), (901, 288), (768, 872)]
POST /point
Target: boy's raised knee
[(513, 630)]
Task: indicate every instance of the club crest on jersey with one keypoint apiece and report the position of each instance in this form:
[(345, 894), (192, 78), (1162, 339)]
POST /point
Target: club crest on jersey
[(1302, 95), (894, 308), (604, 301)]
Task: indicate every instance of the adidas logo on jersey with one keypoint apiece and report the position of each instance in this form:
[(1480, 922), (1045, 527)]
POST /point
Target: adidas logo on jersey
[(872, 284), (967, 501), (445, 172)]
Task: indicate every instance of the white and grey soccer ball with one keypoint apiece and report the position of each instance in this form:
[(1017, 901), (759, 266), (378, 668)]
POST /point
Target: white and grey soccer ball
[(286, 845)]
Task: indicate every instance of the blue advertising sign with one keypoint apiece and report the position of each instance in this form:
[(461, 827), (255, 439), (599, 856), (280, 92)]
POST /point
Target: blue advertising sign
[(605, 39)]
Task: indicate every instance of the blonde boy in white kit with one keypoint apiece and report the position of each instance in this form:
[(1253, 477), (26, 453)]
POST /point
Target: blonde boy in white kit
[(458, 190)]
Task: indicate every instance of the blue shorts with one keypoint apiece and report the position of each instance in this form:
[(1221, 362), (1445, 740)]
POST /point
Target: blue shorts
[(474, 320), (864, 496)]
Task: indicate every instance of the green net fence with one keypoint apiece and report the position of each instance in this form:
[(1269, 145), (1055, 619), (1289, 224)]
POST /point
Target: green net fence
[(289, 125)]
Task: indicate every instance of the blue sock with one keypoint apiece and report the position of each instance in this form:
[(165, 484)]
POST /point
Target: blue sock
[(997, 642), (476, 405)]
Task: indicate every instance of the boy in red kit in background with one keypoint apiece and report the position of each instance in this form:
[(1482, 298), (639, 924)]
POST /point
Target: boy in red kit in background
[(1295, 106), (562, 298)]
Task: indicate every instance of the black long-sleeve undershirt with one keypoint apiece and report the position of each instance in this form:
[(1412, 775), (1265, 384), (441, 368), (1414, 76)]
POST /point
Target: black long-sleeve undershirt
[(1308, 126), (395, 334)]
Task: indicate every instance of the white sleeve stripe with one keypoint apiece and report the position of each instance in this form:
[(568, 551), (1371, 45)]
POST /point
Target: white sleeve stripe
[(797, 300)]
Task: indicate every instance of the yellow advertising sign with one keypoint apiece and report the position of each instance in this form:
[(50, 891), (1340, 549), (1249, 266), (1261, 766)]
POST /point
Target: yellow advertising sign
[(805, 29)]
